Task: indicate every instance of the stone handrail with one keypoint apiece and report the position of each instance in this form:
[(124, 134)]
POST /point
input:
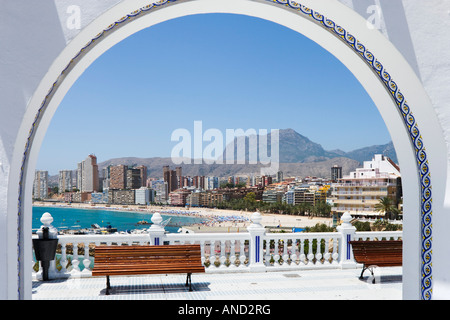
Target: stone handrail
[(252, 251)]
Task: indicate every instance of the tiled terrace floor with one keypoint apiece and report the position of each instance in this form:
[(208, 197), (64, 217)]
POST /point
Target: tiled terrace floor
[(333, 284)]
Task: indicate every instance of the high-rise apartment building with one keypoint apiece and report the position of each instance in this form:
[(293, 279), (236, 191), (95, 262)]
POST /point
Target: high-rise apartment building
[(179, 172), (106, 177), (279, 176), (336, 173), (40, 186), (143, 174), (87, 174), (198, 182), (65, 181), (170, 176), (118, 177), (161, 191), (133, 178), (211, 183), (79, 175)]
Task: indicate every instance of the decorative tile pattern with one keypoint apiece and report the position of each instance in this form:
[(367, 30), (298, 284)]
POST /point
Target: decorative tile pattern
[(351, 42)]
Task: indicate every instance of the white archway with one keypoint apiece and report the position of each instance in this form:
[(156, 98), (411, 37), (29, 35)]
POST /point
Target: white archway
[(330, 24)]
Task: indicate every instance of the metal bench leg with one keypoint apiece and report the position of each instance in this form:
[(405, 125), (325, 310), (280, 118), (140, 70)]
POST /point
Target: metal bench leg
[(108, 285), (370, 268), (188, 281), (371, 271), (362, 272)]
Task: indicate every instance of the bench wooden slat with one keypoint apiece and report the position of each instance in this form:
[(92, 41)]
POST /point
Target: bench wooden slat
[(383, 253), (136, 260)]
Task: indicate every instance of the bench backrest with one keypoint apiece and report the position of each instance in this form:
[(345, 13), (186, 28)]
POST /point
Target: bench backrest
[(189, 254), (389, 250)]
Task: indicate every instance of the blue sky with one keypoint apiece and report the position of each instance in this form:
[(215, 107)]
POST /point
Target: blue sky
[(229, 71)]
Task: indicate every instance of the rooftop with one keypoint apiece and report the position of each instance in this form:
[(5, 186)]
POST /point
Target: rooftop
[(325, 284)]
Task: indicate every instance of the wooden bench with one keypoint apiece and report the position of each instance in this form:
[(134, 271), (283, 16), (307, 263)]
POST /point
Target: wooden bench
[(135, 260), (385, 253)]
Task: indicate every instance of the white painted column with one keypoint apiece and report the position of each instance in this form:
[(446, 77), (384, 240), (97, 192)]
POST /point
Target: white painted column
[(257, 232), (348, 233), (156, 231)]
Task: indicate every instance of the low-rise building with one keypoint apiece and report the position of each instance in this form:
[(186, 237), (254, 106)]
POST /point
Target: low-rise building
[(99, 197), (121, 196), (178, 197), (272, 196), (144, 195)]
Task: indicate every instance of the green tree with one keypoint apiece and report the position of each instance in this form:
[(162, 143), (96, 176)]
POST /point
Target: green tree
[(250, 197), (396, 212), (362, 226), (322, 209)]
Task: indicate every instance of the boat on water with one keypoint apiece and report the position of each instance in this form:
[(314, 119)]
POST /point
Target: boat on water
[(165, 222)]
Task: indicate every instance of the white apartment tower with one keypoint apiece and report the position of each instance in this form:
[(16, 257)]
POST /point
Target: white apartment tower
[(87, 174), (40, 186), (65, 181)]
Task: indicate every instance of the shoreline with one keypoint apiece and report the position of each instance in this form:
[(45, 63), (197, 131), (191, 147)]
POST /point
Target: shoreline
[(217, 220)]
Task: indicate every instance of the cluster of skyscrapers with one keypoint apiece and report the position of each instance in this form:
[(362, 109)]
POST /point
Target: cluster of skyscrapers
[(357, 193)]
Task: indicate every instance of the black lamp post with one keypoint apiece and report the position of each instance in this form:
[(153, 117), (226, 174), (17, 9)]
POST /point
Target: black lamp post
[(45, 250)]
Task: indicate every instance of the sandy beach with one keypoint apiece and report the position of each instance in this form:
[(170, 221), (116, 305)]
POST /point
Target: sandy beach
[(219, 220)]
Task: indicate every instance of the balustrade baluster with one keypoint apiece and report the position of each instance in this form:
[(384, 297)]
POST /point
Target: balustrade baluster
[(276, 254), (75, 260), (86, 261), (335, 254), (310, 252), (267, 255), (222, 254), (302, 255), (326, 253), (285, 255), (232, 256), (293, 255), (63, 259), (318, 254), (212, 252), (242, 256), (202, 251)]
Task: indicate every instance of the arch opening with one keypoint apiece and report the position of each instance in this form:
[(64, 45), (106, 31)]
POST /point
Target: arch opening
[(370, 72)]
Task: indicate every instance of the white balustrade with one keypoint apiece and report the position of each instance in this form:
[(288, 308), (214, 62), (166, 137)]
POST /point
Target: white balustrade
[(227, 252)]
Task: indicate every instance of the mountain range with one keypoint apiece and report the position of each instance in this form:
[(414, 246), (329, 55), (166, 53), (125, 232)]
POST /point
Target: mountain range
[(298, 156), (296, 148)]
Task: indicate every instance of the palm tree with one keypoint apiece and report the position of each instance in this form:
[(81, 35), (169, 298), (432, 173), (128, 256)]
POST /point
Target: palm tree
[(385, 205), (396, 212)]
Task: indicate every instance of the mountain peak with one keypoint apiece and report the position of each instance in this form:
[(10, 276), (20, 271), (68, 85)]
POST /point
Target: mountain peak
[(296, 148)]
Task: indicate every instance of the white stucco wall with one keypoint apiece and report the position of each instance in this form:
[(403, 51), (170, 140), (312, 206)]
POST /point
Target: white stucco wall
[(34, 34)]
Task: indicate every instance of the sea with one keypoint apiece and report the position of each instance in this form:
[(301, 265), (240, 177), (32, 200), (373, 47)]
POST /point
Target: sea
[(77, 218)]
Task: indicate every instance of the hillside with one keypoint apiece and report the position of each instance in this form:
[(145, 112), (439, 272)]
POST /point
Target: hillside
[(298, 156)]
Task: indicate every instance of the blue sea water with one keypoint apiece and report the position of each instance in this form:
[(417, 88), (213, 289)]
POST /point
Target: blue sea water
[(75, 218)]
